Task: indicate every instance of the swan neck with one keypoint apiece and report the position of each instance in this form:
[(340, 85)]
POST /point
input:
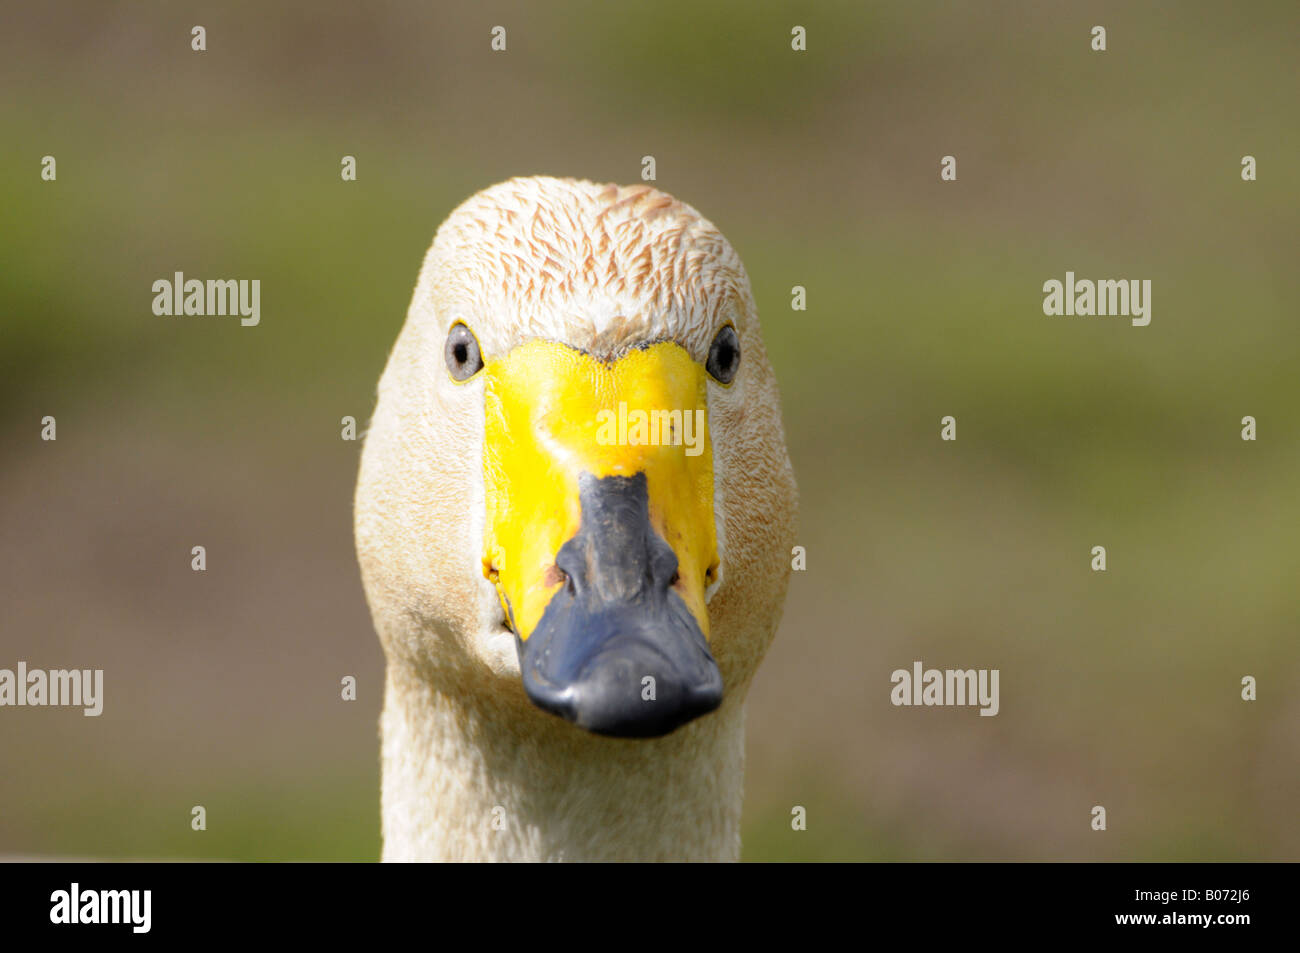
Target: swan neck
[(504, 781)]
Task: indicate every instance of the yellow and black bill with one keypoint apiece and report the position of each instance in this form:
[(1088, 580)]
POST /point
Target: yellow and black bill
[(600, 534)]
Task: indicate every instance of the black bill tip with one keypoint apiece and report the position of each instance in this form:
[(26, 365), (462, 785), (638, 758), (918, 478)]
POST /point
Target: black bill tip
[(629, 688), (617, 651)]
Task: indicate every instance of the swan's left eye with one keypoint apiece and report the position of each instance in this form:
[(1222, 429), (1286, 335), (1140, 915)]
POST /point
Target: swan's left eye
[(463, 357), (724, 356)]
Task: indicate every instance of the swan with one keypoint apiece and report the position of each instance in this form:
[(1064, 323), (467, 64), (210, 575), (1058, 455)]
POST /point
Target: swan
[(571, 613)]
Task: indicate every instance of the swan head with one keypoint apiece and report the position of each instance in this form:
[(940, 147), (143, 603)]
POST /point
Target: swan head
[(575, 494)]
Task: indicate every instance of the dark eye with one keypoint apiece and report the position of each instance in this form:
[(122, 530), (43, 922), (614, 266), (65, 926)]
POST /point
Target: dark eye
[(724, 356), (463, 358)]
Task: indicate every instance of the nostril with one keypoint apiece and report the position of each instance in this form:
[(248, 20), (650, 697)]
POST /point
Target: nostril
[(571, 568), (555, 575), (661, 570)]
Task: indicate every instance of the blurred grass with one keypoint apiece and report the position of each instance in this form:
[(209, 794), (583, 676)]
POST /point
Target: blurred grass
[(924, 300)]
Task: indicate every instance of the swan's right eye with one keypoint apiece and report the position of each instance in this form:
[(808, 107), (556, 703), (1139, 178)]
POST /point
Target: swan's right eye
[(463, 357)]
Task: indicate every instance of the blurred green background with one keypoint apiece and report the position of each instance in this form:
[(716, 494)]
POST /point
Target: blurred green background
[(924, 299)]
